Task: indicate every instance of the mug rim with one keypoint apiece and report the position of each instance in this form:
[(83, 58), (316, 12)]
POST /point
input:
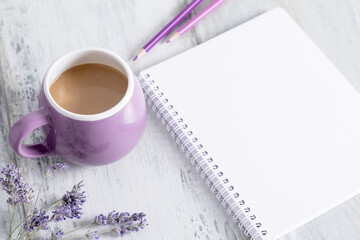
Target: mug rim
[(90, 117)]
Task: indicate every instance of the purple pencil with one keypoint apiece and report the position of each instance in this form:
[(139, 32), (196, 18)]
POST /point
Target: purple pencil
[(181, 31), (168, 28)]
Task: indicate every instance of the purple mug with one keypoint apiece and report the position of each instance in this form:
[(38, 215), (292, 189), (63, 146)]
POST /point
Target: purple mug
[(95, 139)]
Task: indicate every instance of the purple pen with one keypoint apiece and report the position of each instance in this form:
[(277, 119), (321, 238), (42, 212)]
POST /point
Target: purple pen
[(168, 28)]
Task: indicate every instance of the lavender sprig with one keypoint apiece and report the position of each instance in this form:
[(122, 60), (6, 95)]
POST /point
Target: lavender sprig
[(13, 184), (38, 221), (131, 226), (116, 217), (56, 167), (68, 207), (71, 204), (127, 223)]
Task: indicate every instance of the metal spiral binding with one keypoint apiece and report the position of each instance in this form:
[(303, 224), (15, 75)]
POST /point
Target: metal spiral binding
[(204, 164)]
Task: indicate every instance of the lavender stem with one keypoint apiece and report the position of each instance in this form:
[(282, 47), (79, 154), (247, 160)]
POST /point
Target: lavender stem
[(107, 231), (31, 208), (75, 237), (76, 229), (17, 235), (10, 234), (53, 205), (37, 198), (20, 231), (31, 234), (11, 221), (82, 236), (21, 235)]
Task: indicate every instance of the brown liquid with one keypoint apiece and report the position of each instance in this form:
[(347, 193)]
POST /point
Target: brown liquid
[(89, 88)]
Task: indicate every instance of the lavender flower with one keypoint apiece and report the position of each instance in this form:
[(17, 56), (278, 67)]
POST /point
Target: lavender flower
[(113, 217), (56, 167), (71, 203), (138, 216), (39, 221), (61, 213), (123, 217), (101, 220), (128, 223), (131, 226), (14, 185), (68, 207), (91, 235), (56, 235)]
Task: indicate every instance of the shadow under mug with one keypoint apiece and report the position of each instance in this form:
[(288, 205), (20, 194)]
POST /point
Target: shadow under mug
[(95, 139)]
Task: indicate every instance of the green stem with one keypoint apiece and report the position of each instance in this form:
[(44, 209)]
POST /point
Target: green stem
[(76, 237), (28, 216), (36, 201), (53, 204), (11, 221), (18, 234), (107, 231), (15, 229), (23, 234), (9, 216), (31, 234), (76, 229), (21, 231), (82, 236), (30, 212)]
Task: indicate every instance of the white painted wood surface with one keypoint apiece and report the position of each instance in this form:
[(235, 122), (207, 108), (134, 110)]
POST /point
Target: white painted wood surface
[(155, 178)]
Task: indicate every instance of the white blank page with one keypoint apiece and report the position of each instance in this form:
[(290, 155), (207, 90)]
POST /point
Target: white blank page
[(278, 118)]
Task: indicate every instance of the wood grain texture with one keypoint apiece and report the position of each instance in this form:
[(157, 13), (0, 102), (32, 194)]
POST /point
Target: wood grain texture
[(155, 177)]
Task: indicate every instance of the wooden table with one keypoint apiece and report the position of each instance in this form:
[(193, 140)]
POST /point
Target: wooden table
[(155, 177)]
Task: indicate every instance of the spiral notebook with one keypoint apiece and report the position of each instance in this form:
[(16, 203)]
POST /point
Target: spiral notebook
[(266, 119)]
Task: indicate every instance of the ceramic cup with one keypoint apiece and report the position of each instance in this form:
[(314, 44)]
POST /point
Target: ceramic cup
[(96, 139)]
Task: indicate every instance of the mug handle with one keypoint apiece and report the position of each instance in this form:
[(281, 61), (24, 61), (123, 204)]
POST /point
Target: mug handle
[(23, 127)]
